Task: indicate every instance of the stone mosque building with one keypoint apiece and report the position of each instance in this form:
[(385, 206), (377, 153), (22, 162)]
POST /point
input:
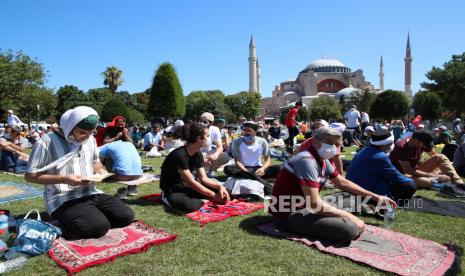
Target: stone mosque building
[(323, 77)]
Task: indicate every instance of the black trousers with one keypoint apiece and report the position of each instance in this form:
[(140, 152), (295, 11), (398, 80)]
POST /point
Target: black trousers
[(92, 216), (403, 191), (267, 180), (315, 226), (293, 131), (185, 200)]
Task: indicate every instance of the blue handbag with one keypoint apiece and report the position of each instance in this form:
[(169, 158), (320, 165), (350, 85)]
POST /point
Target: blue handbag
[(34, 236)]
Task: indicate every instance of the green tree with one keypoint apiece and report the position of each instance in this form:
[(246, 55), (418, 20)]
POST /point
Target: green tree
[(325, 108), (428, 105), (390, 104), (69, 97), (30, 97), (449, 84), (112, 108), (18, 72), (166, 97), (113, 77), (135, 117), (363, 99), (97, 98), (200, 101), (244, 103)]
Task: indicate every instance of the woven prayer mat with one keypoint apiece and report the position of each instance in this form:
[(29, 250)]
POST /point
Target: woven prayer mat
[(14, 191), (211, 212), (78, 255), (383, 249)]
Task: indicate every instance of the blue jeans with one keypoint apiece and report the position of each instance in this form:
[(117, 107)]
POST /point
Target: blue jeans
[(10, 163)]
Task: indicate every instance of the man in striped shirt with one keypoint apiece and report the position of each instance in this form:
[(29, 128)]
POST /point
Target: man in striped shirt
[(61, 161)]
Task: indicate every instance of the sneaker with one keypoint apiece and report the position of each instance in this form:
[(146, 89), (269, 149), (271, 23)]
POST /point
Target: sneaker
[(122, 193), (132, 190), (452, 191)]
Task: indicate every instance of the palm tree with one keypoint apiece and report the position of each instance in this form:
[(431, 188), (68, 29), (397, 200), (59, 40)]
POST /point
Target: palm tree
[(113, 78)]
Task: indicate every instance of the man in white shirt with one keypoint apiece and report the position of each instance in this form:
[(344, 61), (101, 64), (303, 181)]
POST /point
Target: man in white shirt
[(353, 118), (12, 119), (213, 152), (252, 158)]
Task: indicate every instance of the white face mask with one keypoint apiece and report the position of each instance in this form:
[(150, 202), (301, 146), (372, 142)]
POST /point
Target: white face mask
[(327, 151), (73, 140)]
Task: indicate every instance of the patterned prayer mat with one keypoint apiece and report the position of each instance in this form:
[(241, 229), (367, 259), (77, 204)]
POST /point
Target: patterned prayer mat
[(152, 197), (211, 212), (385, 250), (78, 255), (145, 178), (14, 191)]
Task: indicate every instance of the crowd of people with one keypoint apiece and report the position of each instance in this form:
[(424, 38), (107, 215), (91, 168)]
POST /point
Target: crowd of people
[(389, 166)]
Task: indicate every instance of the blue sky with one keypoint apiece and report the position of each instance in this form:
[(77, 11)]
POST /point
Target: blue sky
[(207, 41)]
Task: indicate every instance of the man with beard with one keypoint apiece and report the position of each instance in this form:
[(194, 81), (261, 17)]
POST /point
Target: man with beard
[(117, 130)]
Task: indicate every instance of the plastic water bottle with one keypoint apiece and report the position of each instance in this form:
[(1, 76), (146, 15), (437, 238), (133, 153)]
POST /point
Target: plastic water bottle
[(389, 217), (4, 235), (14, 264)]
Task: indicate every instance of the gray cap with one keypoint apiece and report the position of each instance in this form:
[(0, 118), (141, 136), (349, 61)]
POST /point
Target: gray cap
[(323, 132)]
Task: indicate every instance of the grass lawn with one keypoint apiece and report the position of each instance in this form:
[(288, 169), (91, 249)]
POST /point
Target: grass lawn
[(232, 246)]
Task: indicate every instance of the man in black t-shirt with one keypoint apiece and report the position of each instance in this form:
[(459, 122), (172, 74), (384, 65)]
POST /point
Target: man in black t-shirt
[(184, 183), (170, 179), (275, 131)]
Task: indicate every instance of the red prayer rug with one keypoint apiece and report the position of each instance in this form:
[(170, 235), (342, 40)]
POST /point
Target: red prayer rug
[(385, 250), (78, 255), (212, 212), (152, 197)]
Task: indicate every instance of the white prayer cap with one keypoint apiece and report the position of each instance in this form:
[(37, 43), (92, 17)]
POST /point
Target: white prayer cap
[(179, 123), (338, 126), (443, 128), (369, 128), (420, 126)]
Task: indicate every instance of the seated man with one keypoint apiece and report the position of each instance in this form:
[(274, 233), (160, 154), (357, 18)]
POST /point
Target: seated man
[(296, 203), (153, 138), (185, 185), (248, 152), (445, 137), (12, 156), (336, 161), (61, 161), (373, 171), (407, 154), (275, 130), (171, 139), (123, 159), (212, 152), (117, 130)]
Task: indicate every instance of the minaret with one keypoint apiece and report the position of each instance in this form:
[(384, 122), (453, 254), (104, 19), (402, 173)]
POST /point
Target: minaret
[(252, 67), (259, 78), (408, 69), (381, 75)]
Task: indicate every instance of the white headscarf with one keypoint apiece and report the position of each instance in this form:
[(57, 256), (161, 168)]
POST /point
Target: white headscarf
[(72, 117), (68, 121)]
